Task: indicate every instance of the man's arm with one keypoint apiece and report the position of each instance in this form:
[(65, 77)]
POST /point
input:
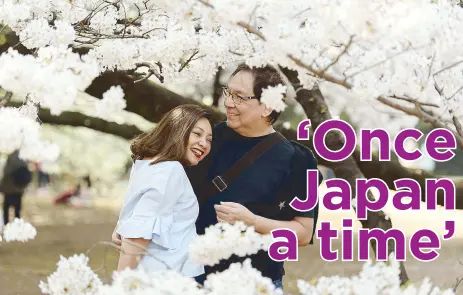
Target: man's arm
[(231, 212), (302, 226)]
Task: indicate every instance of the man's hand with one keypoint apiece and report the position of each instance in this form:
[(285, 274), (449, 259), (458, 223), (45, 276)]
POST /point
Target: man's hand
[(230, 212)]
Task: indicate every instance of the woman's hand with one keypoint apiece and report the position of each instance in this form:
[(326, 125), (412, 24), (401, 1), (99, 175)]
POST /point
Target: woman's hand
[(116, 238), (230, 212)]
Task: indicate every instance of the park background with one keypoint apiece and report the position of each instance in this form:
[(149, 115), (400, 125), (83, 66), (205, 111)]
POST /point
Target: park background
[(94, 142)]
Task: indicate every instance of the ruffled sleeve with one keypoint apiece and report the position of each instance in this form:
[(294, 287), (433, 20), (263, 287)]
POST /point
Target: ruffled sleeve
[(153, 212), (156, 229)]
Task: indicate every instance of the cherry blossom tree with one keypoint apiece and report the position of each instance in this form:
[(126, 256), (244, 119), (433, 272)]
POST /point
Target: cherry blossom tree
[(389, 58), (388, 64)]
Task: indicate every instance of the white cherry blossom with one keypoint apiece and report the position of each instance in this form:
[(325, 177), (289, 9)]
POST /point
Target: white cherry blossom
[(19, 231)]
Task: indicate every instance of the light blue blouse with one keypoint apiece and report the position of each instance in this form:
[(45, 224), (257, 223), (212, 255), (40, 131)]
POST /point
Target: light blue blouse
[(160, 205)]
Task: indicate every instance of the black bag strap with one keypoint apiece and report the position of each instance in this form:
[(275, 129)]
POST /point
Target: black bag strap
[(220, 182)]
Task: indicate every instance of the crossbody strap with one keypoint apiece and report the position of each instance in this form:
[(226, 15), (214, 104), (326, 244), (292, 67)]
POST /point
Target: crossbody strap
[(220, 182)]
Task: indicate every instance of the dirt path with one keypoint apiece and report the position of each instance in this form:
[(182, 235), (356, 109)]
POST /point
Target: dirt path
[(66, 231), (61, 231)]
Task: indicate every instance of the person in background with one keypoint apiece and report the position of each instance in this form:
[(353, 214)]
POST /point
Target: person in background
[(78, 195), (44, 178), (16, 178)]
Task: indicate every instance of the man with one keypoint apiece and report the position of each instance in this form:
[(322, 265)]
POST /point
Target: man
[(16, 177), (249, 122)]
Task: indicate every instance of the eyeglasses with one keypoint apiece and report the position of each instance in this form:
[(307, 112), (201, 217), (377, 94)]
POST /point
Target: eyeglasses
[(237, 99)]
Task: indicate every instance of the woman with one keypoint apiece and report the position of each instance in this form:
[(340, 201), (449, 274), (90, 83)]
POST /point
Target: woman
[(160, 207)]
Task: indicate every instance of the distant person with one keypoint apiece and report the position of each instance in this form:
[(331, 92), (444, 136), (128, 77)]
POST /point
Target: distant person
[(77, 195), (82, 197), (16, 178), (44, 178)]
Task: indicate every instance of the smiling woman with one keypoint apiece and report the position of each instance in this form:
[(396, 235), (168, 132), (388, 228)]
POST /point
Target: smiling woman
[(157, 222), (181, 131), (197, 148)]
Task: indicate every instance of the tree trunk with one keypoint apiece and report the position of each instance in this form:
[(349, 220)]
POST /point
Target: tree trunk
[(144, 98), (318, 112), (217, 88)]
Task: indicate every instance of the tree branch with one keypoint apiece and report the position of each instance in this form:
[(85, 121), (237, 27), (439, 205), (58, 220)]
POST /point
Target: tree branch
[(188, 61), (346, 48), (448, 67), (77, 119), (319, 73), (6, 98), (217, 88), (414, 101), (151, 71), (146, 98), (457, 124), (422, 115)]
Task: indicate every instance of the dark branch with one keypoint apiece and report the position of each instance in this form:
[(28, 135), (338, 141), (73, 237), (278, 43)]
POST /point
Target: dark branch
[(77, 119), (415, 101), (151, 71), (188, 61), (417, 112), (6, 98)]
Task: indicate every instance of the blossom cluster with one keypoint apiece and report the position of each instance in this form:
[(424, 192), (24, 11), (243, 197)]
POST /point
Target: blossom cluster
[(356, 51), (273, 97), (73, 276), (222, 240), (18, 131), (69, 72), (380, 278), (19, 231), (240, 278), (139, 281)]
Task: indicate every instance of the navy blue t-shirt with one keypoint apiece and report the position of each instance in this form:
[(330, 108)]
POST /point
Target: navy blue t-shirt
[(257, 184)]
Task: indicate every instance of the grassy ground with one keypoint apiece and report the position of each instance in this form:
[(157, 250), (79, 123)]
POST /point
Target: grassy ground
[(65, 231)]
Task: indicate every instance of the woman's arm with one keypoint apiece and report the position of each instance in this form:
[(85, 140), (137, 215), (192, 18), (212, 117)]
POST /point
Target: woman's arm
[(115, 237), (132, 250), (231, 212), (157, 201)]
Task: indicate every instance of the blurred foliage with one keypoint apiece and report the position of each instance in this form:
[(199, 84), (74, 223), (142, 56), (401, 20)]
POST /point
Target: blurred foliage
[(3, 31), (292, 114)]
